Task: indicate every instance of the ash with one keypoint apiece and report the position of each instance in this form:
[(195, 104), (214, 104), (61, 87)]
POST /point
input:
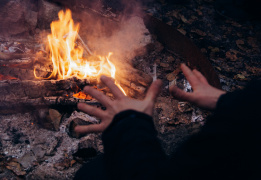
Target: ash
[(42, 153)]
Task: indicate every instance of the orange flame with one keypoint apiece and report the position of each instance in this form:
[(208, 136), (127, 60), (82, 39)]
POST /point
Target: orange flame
[(67, 56)]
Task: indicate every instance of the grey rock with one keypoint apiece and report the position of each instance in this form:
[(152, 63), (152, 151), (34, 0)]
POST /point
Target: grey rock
[(27, 160), (47, 13)]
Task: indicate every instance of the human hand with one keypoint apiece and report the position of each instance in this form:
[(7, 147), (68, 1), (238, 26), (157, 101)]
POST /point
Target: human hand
[(113, 107), (204, 95)]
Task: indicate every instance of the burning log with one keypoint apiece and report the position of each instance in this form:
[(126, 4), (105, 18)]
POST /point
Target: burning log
[(27, 105), (11, 56), (16, 89)]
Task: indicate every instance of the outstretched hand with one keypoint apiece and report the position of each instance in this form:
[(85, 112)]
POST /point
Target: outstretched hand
[(113, 107), (204, 95)]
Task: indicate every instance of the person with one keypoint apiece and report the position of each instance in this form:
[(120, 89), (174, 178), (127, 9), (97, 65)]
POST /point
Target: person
[(227, 146)]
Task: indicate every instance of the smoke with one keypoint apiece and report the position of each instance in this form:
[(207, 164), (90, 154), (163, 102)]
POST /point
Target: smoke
[(124, 37)]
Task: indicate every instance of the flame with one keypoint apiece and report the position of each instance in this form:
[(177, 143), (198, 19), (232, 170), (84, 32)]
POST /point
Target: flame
[(67, 57)]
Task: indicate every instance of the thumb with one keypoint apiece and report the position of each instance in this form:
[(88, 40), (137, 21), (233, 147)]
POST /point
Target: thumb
[(154, 90), (180, 94)]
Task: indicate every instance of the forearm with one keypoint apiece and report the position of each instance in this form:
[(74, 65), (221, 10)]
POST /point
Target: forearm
[(131, 147)]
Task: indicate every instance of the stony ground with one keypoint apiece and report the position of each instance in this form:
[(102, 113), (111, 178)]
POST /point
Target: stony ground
[(233, 48)]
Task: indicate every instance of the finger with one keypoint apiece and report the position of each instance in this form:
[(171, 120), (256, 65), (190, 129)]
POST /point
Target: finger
[(192, 79), (154, 90), (200, 77), (118, 94), (181, 95), (97, 95), (89, 128), (91, 110)]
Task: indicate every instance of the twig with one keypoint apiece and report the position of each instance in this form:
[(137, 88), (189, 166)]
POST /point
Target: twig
[(84, 45)]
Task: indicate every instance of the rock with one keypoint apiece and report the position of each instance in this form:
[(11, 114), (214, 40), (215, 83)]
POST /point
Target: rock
[(55, 117), (39, 152), (48, 12), (184, 107), (75, 122), (48, 118), (17, 18), (27, 161), (14, 166)]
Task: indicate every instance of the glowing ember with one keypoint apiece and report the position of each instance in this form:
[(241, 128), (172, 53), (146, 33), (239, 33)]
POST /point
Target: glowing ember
[(6, 77), (67, 57)]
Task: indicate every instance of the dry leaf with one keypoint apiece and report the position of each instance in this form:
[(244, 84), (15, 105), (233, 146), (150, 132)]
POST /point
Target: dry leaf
[(165, 65), (239, 76), (16, 168), (252, 42), (171, 76), (170, 23), (199, 32), (231, 55), (55, 116), (72, 162), (199, 12), (215, 49), (182, 31), (170, 59), (183, 19), (240, 42), (236, 24)]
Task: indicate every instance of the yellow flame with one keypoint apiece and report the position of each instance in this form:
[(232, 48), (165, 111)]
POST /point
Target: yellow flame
[(67, 57)]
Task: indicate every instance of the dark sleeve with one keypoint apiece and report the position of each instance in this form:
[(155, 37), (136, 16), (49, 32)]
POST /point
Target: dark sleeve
[(131, 147), (228, 146)]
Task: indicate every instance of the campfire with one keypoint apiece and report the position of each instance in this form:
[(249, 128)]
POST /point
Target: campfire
[(67, 56), (42, 81)]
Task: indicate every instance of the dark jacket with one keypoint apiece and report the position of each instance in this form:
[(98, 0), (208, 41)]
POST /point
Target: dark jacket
[(227, 147)]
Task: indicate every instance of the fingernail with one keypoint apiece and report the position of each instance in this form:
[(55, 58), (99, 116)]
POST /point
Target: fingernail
[(103, 77)]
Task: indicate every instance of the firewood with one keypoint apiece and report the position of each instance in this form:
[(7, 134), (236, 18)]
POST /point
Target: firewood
[(13, 106), (135, 76), (10, 56)]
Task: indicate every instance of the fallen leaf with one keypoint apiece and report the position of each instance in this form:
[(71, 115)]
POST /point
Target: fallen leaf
[(176, 14), (199, 12), (199, 32), (240, 42), (72, 162), (236, 24), (252, 42), (170, 23), (203, 50), (239, 76), (215, 49), (165, 65), (183, 19), (182, 31), (231, 55), (171, 76), (170, 59), (56, 117), (16, 168), (218, 68)]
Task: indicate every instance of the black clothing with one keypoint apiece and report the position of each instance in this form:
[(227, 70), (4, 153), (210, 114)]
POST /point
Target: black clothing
[(227, 147)]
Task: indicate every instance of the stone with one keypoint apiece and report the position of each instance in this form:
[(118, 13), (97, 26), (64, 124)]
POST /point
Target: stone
[(17, 18), (27, 161), (55, 117), (48, 12)]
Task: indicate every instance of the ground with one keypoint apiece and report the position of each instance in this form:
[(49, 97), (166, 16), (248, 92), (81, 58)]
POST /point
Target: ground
[(232, 46)]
